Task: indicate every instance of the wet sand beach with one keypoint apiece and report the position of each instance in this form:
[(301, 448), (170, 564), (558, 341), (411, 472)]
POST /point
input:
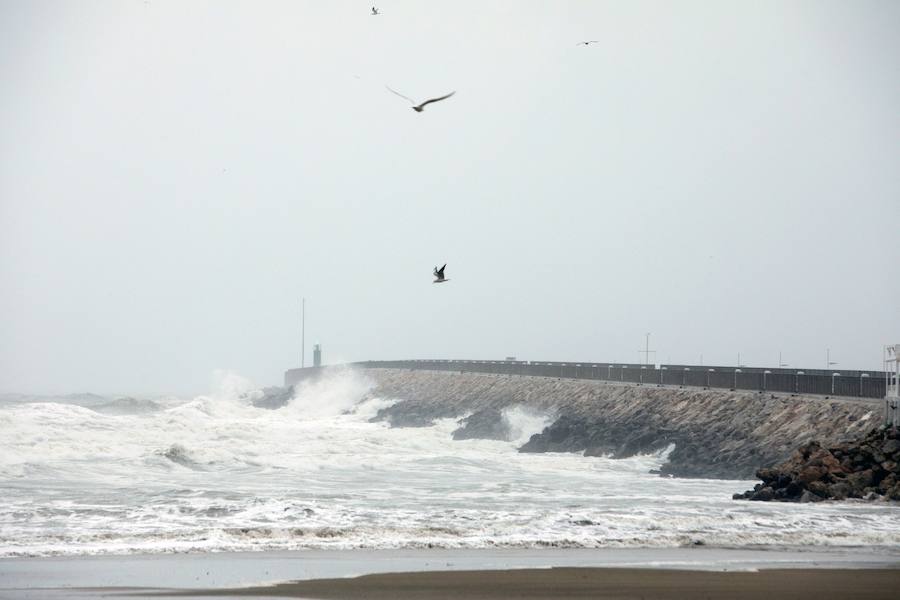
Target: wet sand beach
[(546, 584), (523, 573)]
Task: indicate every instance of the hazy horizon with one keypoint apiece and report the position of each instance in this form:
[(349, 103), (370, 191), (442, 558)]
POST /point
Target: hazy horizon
[(176, 176)]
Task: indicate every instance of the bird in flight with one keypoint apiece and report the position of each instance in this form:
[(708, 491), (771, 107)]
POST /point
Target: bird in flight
[(374, 11), (588, 43), (420, 107), (439, 274)]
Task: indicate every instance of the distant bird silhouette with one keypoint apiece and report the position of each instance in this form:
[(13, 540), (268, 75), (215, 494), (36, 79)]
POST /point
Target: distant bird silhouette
[(375, 11), (439, 274), (588, 43), (420, 107)]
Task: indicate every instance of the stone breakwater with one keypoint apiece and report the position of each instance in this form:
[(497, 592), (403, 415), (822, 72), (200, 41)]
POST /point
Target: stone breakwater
[(867, 468), (716, 433)]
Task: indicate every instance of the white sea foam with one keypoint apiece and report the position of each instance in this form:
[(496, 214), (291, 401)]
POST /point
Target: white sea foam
[(217, 473), (524, 421)]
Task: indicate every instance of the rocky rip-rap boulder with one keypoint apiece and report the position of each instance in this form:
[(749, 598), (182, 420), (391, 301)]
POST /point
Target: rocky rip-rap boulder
[(868, 468)]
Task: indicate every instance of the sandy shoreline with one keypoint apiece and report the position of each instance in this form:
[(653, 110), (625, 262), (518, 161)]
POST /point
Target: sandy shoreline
[(462, 573), (547, 584)]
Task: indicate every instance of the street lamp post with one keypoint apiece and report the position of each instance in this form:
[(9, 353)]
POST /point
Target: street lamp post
[(647, 352), (303, 333)]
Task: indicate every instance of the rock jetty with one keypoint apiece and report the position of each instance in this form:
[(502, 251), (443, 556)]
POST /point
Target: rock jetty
[(867, 468), (715, 433)]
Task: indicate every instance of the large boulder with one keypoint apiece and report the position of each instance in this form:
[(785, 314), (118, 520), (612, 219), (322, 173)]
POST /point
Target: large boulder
[(808, 496), (860, 480), (891, 446), (485, 424), (765, 493)]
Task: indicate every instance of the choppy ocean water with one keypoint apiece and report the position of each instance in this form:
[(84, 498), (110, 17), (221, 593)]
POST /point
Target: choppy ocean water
[(89, 475)]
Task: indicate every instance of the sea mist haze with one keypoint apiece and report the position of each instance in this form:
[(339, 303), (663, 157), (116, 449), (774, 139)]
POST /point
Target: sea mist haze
[(89, 475), (221, 186)]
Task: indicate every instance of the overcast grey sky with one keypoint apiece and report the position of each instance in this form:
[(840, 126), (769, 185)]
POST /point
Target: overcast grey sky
[(175, 176)]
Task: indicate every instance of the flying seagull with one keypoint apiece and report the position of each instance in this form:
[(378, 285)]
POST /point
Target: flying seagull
[(374, 11), (439, 274), (420, 107), (588, 43)]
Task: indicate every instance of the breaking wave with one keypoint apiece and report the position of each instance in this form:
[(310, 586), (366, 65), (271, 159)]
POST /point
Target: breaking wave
[(128, 406), (247, 469), (522, 422)]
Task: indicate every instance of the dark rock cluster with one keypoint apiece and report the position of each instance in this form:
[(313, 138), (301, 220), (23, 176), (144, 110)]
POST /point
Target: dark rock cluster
[(485, 424), (867, 468), (599, 438), (697, 450), (410, 413)]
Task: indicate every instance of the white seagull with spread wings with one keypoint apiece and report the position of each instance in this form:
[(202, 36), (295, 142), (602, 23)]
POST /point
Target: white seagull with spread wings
[(439, 275), (419, 107)]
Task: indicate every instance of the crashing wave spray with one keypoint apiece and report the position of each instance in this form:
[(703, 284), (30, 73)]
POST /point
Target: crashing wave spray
[(334, 392), (523, 422), (219, 473)]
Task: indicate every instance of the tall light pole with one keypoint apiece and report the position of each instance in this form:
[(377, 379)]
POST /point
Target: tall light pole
[(646, 351), (303, 333), (780, 363)]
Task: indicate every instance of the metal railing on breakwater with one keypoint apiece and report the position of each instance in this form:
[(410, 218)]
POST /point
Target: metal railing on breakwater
[(860, 384)]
